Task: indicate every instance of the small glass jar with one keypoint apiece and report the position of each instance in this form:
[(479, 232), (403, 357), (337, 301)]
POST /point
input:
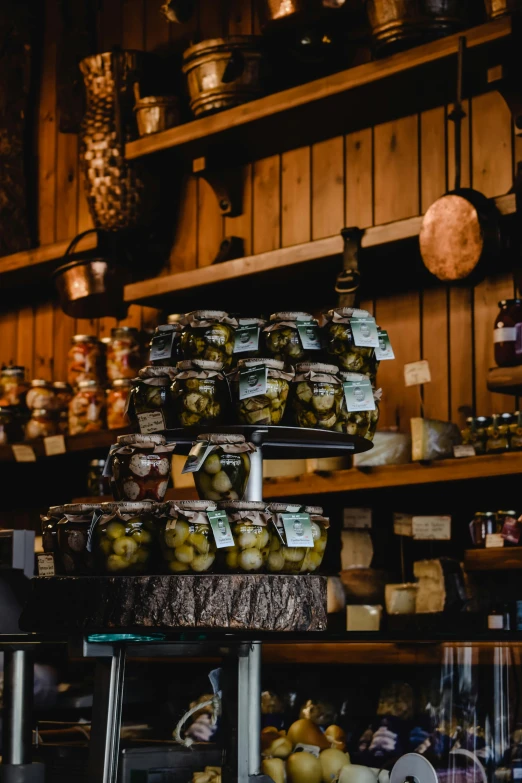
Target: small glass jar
[(141, 467), (250, 525), (117, 397), (41, 424), (123, 353), (225, 471), (498, 433), (246, 345), (292, 560), (97, 484), (84, 360), (165, 346), (41, 395), (362, 423), (505, 333), (208, 334), (7, 427), (475, 433), (318, 396), (484, 523), (87, 409), (150, 403), (515, 432), (187, 541), (199, 392), (49, 524), (282, 339), (509, 526), (63, 395), (13, 386), (62, 423), (73, 536), (339, 344), (126, 538), (267, 408)]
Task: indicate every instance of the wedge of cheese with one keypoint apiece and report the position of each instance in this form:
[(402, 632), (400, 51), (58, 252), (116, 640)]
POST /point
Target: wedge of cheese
[(441, 586)]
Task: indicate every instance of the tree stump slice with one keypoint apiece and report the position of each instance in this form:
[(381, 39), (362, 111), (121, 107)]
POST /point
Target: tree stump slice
[(248, 602)]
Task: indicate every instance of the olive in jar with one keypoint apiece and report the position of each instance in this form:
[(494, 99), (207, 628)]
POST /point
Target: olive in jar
[(282, 338), (338, 342), (187, 542), (291, 560), (225, 471), (199, 393), (209, 335), (318, 396), (126, 537), (150, 399), (249, 523)]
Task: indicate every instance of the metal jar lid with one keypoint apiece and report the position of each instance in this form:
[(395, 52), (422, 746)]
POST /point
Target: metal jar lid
[(14, 371), (61, 386), (84, 338), (40, 383)]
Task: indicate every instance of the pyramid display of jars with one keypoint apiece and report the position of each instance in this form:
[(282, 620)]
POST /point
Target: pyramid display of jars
[(220, 389)]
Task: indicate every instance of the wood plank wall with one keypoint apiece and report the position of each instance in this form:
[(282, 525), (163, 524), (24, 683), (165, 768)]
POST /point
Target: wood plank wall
[(392, 171)]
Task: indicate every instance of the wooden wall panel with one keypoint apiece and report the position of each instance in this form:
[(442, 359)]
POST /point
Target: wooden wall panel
[(359, 179), (64, 328), (396, 170), (461, 353), (266, 204), (327, 188), (43, 341), (8, 337), (296, 197), (25, 339)]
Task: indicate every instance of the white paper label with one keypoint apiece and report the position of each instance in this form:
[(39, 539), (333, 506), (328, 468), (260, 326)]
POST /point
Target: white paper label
[(54, 444), (152, 421), (464, 450), (417, 373), (46, 565), (494, 541), (495, 622), (23, 453), (357, 518), (507, 334), (403, 525), (431, 528)]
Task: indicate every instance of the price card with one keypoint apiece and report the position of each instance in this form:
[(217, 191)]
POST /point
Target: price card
[(253, 381), (365, 334), (298, 529), (247, 338), (23, 453), (494, 541), (384, 350), (221, 528), (417, 373), (403, 525), (431, 528), (359, 395), (152, 421), (161, 346), (197, 456), (357, 518), (54, 444), (45, 564), (464, 450), (309, 334)]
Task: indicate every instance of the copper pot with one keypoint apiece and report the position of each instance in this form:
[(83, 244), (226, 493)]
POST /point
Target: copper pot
[(398, 23), (276, 11), (223, 72), (497, 8), (156, 113)]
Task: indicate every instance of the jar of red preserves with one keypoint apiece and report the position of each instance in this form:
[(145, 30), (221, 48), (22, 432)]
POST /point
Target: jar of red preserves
[(507, 325)]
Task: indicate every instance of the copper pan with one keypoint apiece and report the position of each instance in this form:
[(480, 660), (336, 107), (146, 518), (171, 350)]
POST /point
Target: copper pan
[(497, 8), (276, 11)]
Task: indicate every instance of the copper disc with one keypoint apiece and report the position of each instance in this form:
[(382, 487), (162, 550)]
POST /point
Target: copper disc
[(451, 238)]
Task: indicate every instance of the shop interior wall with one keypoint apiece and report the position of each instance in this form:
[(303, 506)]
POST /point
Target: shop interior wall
[(380, 174)]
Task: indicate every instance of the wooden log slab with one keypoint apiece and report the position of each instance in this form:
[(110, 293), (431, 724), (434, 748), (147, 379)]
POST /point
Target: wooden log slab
[(252, 602)]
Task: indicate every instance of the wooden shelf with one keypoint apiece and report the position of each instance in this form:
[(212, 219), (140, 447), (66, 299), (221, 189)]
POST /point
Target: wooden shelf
[(77, 444), (43, 258), (340, 102), (501, 559), (505, 380)]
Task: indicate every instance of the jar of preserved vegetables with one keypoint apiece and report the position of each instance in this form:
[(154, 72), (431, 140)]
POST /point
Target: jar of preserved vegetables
[(498, 433), (123, 353), (13, 386), (339, 342), (318, 396), (49, 523), (187, 541), (62, 396), (141, 467), (126, 538), (484, 523), (508, 525), (165, 346), (248, 343), (74, 536), (361, 422), (287, 559), (150, 400), (208, 334), (254, 403), (117, 397), (84, 360), (87, 409), (41, 424), (250, 525), (226, 468), (199, 392), (41, 395), (507, 325), (292, 336), (515, 431), (97, 484), (475, 433)]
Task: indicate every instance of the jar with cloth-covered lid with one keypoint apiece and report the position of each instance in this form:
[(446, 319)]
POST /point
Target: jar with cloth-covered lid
[(292, 336), (339, 341), (126, 537), (286, 557), (255, 401), (359, 422), (226, 467), (250, 525), (150, 400), (199, 393), (318, 396), (187, 541), (74, 534), (141, 467), (208, 334)]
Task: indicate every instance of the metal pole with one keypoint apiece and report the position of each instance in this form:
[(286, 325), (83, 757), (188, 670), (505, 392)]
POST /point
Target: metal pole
[(254, 489), (243, 713), (104, 747), (18, 695), (254, 709)]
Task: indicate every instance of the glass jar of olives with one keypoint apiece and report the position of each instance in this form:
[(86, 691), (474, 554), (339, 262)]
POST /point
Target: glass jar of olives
[(286, 559), (150, 399), (226, 468), (250, 525), (338, 342), (362, 423), (126, 537), (269, 406), (187, 540), (165, 346), (208, 334), (291, 335), (199, 393), (141, 467), (318, 396), (74, 532), (498, 433)]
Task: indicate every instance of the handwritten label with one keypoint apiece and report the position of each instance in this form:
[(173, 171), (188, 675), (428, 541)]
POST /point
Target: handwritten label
[(54, 444), (417, 373), (494, 541), (152, 421), (402, 525), (46, 565), (431, 528), (464, 450), (23, 453)]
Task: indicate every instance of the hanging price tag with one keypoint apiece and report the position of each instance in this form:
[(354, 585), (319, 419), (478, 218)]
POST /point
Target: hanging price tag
[(161, 346), (197, 456), (359, 395), (384, 350), (247, 338), (54, 444), (221, 528), (309, 334), (417, 373), (23, 453), (298, 529), (364, 332), (431, 528), (152, 421), (253, 381)]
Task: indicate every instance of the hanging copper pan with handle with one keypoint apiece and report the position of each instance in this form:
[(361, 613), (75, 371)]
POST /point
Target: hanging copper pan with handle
[(461, 230)]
